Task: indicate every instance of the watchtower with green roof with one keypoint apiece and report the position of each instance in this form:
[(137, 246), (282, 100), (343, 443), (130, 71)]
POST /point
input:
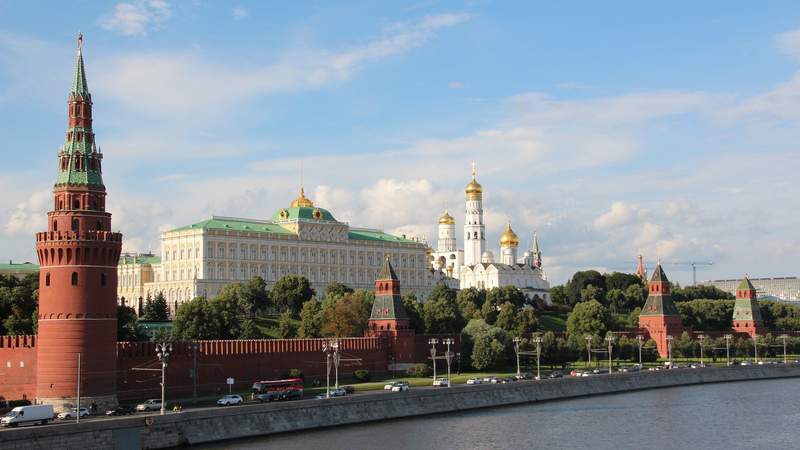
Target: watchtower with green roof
[(746, 314), (659, 316), (389, 318)]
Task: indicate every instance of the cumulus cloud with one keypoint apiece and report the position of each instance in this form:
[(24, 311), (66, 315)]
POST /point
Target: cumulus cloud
[(619, 214), (789, 43), (456, 85), (136, 18), (30, 215), (240, 12)]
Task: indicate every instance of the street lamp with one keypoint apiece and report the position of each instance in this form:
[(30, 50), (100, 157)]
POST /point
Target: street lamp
[(669, 349), (433, 342), (728, 338), (640, 338), (448, 356), (331, 350), (588, 338), (537, 339), (783, 337), (162, 351), (610, 340), (701, 337), (517, 340), (755, 349)]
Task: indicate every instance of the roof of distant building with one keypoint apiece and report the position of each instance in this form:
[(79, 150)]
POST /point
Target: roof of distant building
[(12, 267)]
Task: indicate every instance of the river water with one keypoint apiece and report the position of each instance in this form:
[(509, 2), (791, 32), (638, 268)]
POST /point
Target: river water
[(751, 414)]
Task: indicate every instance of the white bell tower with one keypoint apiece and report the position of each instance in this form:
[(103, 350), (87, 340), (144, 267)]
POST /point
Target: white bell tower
[(474, 228)]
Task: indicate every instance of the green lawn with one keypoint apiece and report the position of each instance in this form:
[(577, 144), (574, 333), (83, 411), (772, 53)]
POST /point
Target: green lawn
[(552, 322), (268, 325)]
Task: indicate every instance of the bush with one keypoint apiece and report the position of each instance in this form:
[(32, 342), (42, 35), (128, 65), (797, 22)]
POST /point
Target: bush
[(361, 375), (15, 403), (418, 370), (295, 373)]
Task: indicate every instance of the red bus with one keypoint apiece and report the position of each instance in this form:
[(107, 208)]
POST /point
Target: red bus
[(272, 390)]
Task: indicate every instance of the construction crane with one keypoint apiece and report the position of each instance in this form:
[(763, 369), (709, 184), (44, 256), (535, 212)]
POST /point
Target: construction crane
[(694, 265)]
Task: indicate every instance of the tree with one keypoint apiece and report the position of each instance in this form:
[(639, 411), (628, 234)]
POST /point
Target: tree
[(337, 290), (499, 295), (580, 280), (19, 300), (310, 319), (559, 296), (680, 294), (250, 330), (286, 327), (254, 296), (507, 317), (525, 322), (489, 349), (128, 328), (195, 320), (470, 301), (290, 292), (441, 313), (156, 310), (588, 317), (348, 316), (414, 311), (621, 281), (590, 292)]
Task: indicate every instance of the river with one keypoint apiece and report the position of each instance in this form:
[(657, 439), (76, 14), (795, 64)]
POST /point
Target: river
[(752, 414)]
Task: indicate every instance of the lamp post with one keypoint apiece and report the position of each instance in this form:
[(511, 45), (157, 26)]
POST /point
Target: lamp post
[(783, 337), (728, 338), (588, 338), (640, 338), (162, 351), (195, 346), (336, 358), (669, 349), (537, 339), (701, 337), (610, 340), (433, 342), (755, 349), (448, 356), (78, 418), (516, 350), (327, 350)]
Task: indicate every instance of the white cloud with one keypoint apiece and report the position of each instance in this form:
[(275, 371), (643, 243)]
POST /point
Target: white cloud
[(789, 43), (136, 18), (456, 85), (240, 12), (30, 215), (619, 214)]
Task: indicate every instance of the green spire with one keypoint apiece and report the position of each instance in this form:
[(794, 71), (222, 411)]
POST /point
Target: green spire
[(746, 285), (79, 85), (659, 303), (387, 271), (388, 305)]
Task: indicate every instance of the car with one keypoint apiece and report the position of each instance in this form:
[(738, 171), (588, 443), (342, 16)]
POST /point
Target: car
[(349, 390), (267, 396), (599, 371), (154, 404), (524, 376), (73, 413), (33, 414), (120, 411), (555, 374), (697, 365), (230, 400), (290, 394), (441, 382), (400, 386), (745, 363), (334, 393), (474, 381)]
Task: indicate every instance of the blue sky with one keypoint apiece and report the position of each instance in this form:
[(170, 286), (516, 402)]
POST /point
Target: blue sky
[(612, 128)]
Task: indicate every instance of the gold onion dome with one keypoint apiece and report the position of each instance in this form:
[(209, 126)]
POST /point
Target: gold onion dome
[(509, 238), (446, 219), (474, 190), (302, 201)]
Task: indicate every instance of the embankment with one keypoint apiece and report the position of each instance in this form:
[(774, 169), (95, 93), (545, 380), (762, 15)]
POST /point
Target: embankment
[(207, 425)]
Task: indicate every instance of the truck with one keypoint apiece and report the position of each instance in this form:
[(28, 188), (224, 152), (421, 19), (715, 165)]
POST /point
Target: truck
[(28, 414)]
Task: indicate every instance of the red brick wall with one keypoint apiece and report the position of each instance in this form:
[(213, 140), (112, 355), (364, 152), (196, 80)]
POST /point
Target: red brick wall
[(17, 367)]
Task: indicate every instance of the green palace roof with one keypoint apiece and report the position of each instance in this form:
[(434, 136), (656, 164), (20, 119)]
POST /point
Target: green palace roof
[(226, 223), (374, 235), (140, 259), (303, 213)]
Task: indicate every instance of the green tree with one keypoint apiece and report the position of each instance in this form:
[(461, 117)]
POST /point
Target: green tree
[(489, 349), (414, 310), (286, 327), (195, 320), (470, 301), (290, 292), (441, 313), (19, 300), (621, 281), (559, 295), (590, 292), (580, 280), (500, 295), (349, 315), (156, 310), (507, 317), (310, 319), (588, 317), (525, 322), (254, 296), (337, 290), (128, 328), (250, 330)]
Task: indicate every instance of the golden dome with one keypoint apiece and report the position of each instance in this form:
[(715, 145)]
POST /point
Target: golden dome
[(302, 201), (474, 190), (509, 238), (446, 219)]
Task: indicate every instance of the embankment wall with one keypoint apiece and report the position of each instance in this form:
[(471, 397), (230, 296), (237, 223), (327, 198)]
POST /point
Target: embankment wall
[(207, 425)]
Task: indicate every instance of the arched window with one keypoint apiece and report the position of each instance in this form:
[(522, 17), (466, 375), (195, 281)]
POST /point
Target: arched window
[(55, 225), (47, 279), (76, 204), (99, 225), (103, 279), (75, 225), (74, 278)]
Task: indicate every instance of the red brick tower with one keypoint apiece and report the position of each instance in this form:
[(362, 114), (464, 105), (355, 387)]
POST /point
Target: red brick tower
[(746, 315), (390, 320), (660, 316), (78, 276)]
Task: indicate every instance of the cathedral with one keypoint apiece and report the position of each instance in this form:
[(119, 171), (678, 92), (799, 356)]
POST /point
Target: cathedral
[(475, 265)]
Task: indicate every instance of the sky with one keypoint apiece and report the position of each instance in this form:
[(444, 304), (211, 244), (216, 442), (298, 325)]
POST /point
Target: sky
[(611, 129)]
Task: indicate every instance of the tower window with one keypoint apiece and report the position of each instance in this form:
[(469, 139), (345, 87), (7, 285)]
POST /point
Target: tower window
[(47, 279), (99, 225), (55, 225), (75, 225), (76, 204), (103, 279), (74, 278)]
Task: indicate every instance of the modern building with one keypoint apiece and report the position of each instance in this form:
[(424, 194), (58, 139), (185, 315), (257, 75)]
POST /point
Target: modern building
[(475, 266), (301, 239), (782, 288), (78, 257)]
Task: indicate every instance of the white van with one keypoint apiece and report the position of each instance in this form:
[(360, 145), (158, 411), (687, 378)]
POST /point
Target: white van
[(28, 414)]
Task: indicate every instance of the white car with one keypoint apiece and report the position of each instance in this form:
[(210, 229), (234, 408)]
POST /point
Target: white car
[(73, 413), (391, 386), (441, 382), (154, 404), (229, 400), (474, 381), (400, 386)]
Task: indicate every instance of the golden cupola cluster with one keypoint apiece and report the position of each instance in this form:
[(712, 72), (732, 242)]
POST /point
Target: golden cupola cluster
[(302, 201), (509, 238), (446, 219)]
